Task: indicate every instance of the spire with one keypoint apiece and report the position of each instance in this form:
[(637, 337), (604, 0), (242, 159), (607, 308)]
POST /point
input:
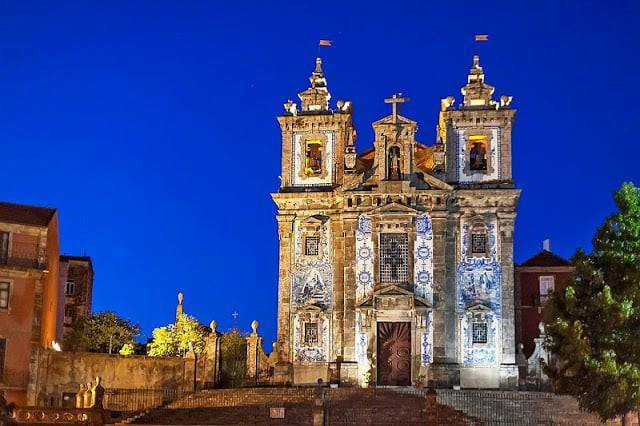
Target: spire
[(317, 76), (316, 97), (476, 92)]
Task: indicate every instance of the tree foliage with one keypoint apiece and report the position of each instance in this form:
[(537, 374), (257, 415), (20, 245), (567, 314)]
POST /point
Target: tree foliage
[(593, 326), (99, 332), (176, 339), (233, 363)]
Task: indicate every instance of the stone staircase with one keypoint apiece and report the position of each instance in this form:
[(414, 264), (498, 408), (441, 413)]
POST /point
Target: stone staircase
[(344, 406), (519, 408)]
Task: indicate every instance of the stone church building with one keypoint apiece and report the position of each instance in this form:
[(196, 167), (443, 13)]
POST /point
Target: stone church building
[(396, 263)]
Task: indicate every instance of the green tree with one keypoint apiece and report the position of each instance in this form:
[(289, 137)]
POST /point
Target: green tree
[(233, 363), (100, 332), (176, 339), (593, 326), (127, 349)]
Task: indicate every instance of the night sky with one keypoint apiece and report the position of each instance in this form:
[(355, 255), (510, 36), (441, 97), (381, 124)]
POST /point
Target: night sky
[(151, 125)]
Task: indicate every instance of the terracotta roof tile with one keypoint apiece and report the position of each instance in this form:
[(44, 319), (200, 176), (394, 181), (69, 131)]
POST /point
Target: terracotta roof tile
[(546, 258)]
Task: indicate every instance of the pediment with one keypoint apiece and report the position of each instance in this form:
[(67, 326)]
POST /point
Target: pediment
[(399, 120), (395, 291), (310, 307), (393, 207), (478, 307), (316, 219)]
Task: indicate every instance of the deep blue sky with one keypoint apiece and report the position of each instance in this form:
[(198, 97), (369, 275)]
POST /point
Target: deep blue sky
[(151, 125)]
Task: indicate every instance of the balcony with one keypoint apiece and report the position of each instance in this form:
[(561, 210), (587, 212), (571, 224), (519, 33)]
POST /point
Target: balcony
[(14, 379), (24, 263)]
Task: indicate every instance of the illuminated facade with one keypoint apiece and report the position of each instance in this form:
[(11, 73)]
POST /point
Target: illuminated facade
[(397, 262)]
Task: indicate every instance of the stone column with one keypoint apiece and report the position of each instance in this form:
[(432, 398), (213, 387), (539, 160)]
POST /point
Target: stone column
[(508, 369), (349, 293), (337, 260), (254, 346), (211, 370), (449, 290), (505, 226), (285, 233), (439, 222)]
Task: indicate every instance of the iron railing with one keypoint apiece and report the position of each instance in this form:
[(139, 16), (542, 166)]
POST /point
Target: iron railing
[(121, 399), (24, 262)]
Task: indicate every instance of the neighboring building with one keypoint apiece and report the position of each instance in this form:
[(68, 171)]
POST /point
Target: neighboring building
[(28, 293), (534, 280), (76, 282), (397, 261)]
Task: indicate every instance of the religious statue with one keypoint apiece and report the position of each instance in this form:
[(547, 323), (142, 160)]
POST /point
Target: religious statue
[(86, 397), (394, 163), (80, 396), (6, 411), (478, 157), (97, 394)]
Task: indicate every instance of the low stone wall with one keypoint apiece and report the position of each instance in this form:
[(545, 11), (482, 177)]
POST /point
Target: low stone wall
[(62, 373)]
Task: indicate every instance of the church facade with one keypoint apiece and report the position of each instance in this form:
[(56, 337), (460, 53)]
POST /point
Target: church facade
[(396, 263)]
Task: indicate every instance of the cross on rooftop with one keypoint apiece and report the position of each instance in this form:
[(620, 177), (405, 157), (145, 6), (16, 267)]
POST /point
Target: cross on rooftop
[(394, 101)]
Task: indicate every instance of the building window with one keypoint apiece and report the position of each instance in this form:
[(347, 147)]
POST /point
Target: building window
[(478, 152), (394, 265), (478, 243), (313, 158), (311, 246), (479, 332), (3, 351), (70, 288), (310, 333), (547, 284), (69, 311), (4, 247), (4, 295)]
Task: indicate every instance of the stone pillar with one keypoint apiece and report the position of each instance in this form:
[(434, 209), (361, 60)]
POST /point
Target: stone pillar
[(439, 222), (285, 234), (210, 374), (508, 368), (505, 226), (337, 259), (349, 289), (254, 346)]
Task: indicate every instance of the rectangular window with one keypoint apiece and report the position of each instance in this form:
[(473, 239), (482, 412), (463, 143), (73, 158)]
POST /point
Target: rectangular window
[(4, 247), (4, 295), (478, 243), (479, 331), (69, 311), (70, 288), (394, 259), (311, 246), (3, 351), (547, 284), (311, 333)]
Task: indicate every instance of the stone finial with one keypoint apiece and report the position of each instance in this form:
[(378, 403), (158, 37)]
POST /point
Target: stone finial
[(213, 325), (505, 101), (290, 107), (180, 308), (476, 92), (541, 328), (316, 97), (254, 326), (447, 103)]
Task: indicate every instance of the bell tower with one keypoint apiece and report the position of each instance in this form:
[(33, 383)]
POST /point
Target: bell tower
[(317, 141), (477, 135), (395, 144)]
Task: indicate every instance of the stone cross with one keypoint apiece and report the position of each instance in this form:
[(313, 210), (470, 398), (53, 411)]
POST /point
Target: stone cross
[(394, 101)]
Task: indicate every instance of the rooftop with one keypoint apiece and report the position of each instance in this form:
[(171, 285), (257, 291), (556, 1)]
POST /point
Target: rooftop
[(25, 215), (546, 258)]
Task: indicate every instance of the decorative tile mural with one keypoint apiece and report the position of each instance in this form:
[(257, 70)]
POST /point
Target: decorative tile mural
[(316, 353), (312, 278), (423, 258), (364, 257), (426, 352), (479, 294), (361, 342), (480, 353)]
